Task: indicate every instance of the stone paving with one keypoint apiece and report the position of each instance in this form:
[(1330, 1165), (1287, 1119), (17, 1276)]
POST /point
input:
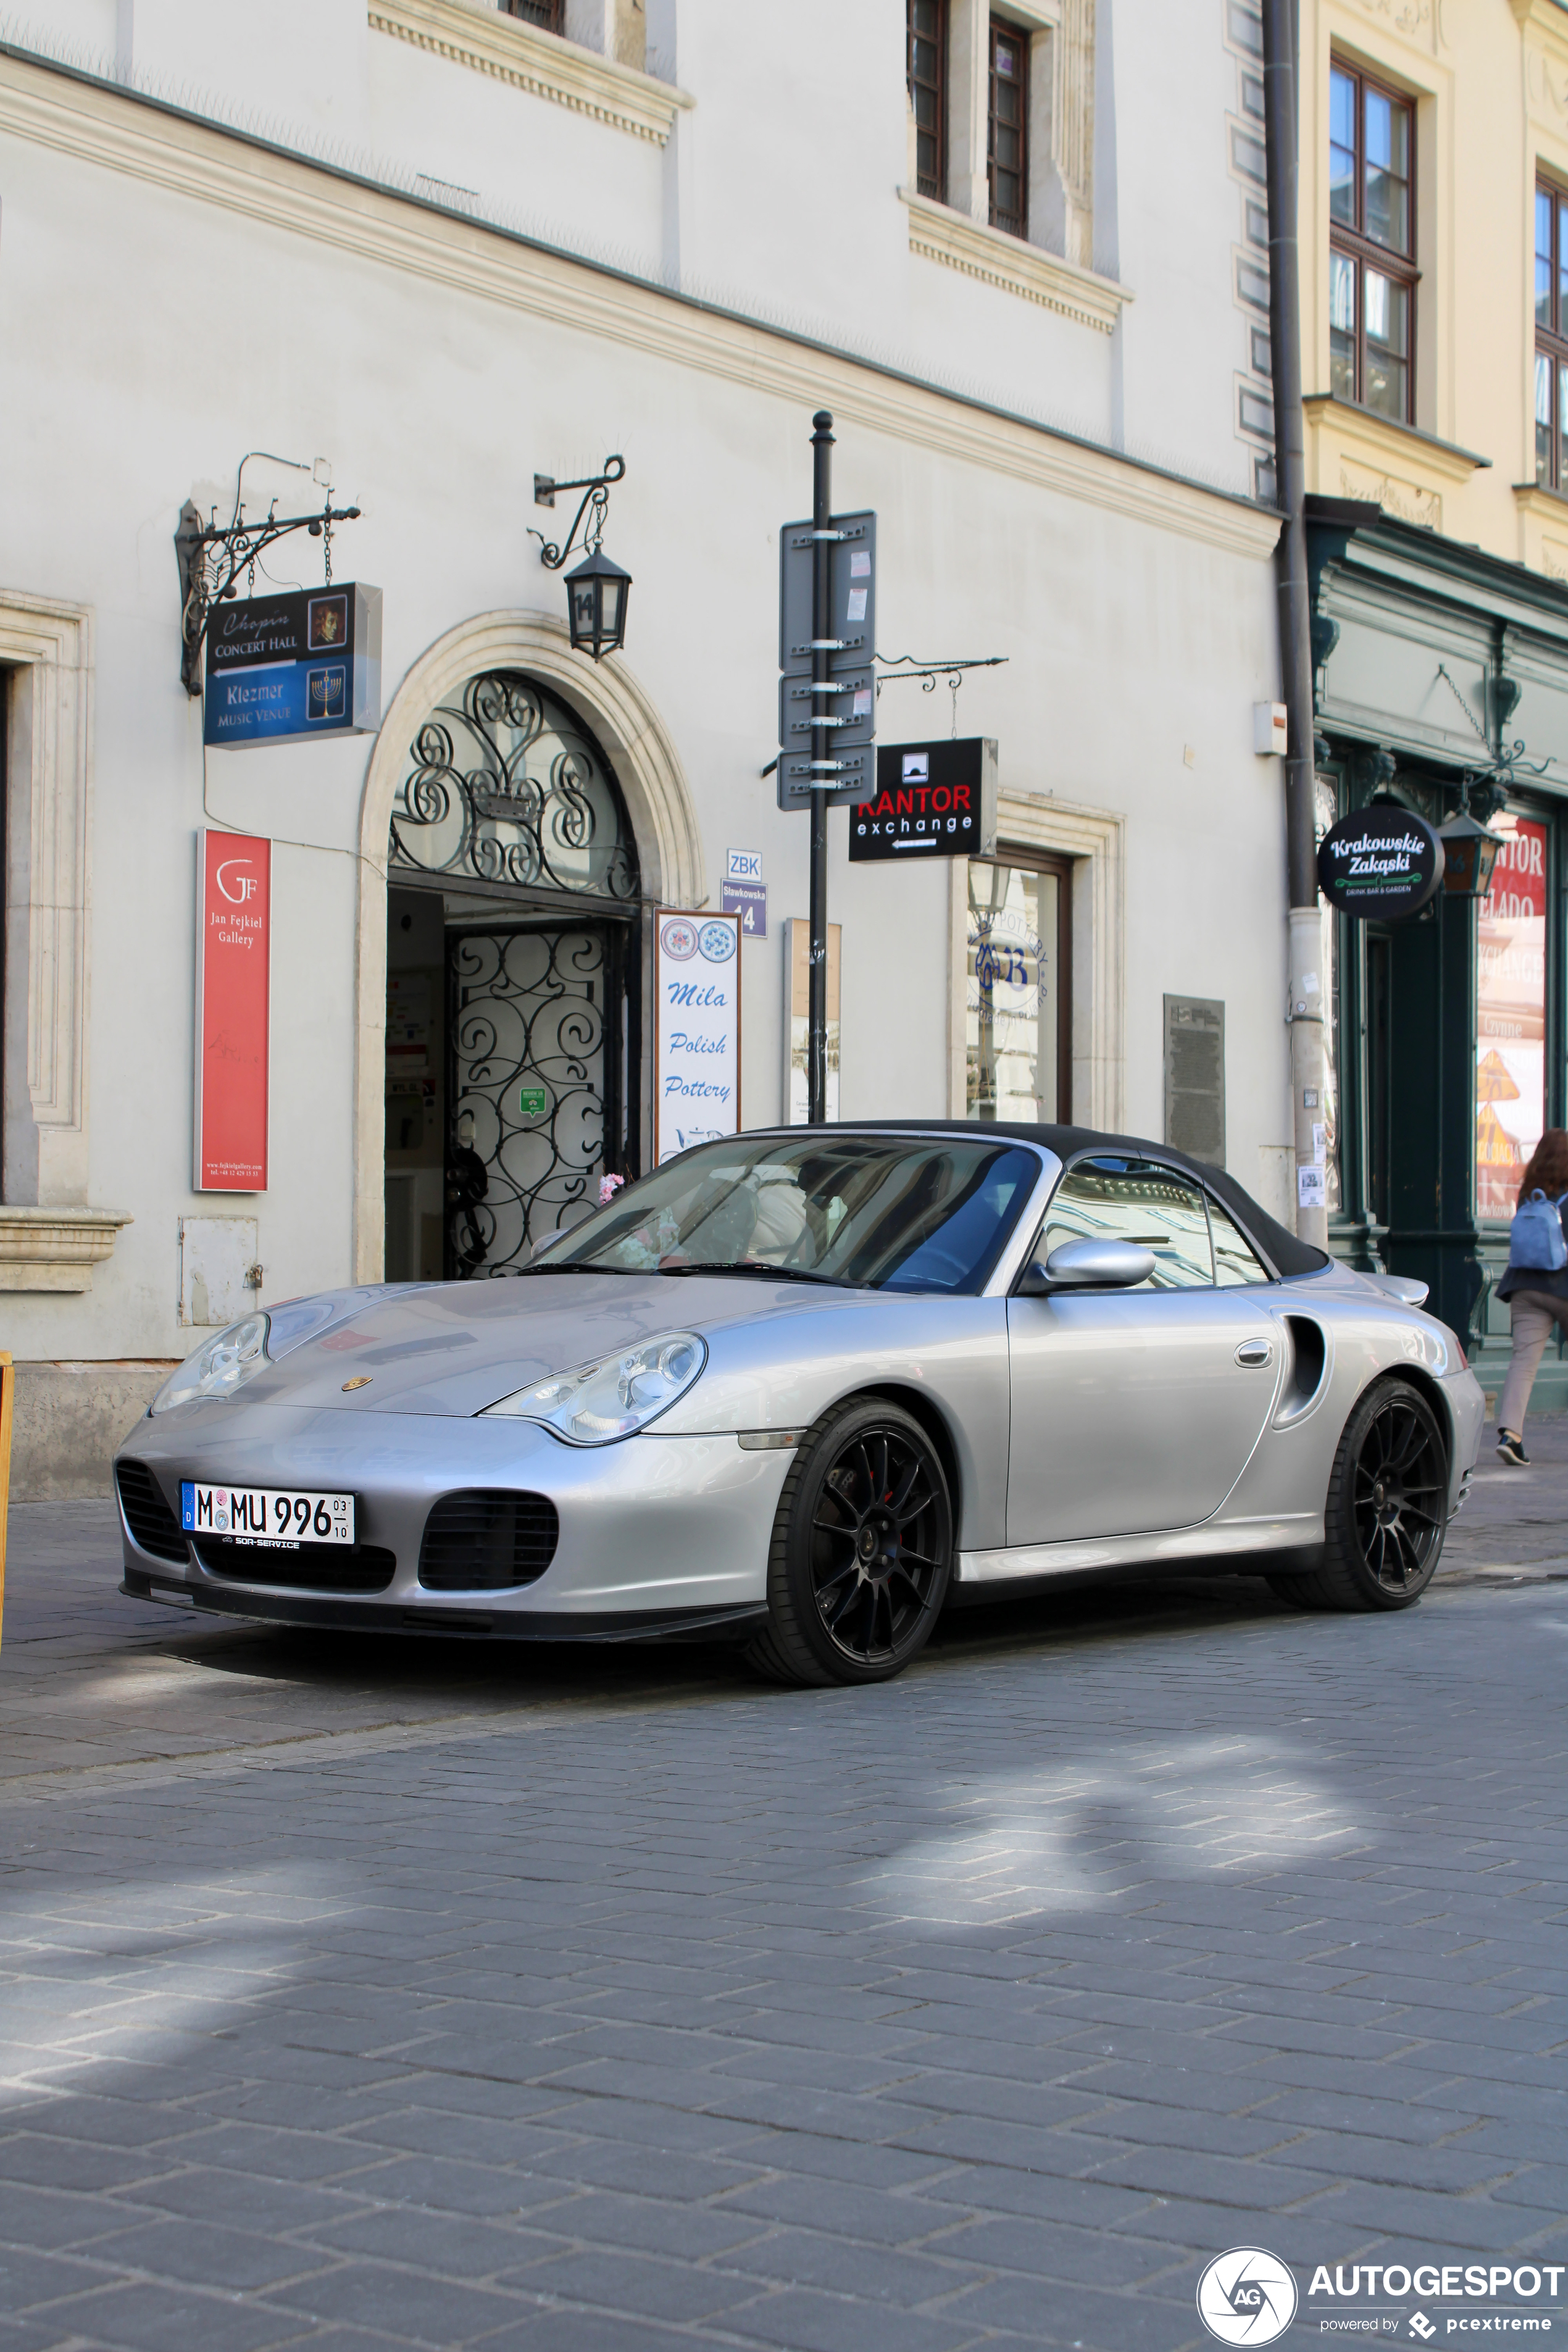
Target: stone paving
[(357, 1994)]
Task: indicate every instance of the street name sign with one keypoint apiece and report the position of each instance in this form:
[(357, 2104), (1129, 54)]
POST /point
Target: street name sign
[(933, 800)]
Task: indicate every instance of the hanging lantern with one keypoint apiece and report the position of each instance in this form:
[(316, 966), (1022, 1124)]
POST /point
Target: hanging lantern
[(596, 595), (1469, 852)]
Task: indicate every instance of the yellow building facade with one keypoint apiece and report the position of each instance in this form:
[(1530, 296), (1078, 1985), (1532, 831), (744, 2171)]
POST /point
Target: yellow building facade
[(1434, 256), (1485, 86)]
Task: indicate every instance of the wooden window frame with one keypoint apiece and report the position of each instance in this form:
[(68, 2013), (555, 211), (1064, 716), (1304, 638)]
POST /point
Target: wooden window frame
[(926, 183), (546, 15), (1552, 341), (1001, 29), (1044, 861), (1365, 252)]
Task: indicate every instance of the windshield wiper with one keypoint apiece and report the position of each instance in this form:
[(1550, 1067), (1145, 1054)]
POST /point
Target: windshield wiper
[(581, 1266), (769, 1273)]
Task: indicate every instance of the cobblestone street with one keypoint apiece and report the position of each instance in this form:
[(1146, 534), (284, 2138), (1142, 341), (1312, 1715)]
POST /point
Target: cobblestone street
[(357, 1995)]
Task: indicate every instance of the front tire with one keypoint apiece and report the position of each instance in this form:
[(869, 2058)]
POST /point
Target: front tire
[(1386, 1511), (862, 1550)]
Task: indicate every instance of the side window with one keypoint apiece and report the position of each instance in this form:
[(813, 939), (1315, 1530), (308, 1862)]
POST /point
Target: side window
[(1124, 1200), (1235, 1260)]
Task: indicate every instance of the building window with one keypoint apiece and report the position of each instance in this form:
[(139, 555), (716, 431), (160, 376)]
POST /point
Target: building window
[(927, 25), (546, 13), (1550, 338), (1018, 1017), (1006, 130), (1371, 239)]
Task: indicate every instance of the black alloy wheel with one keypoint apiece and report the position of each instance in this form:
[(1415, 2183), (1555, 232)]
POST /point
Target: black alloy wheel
[(1387, 1507), (862, 1550)]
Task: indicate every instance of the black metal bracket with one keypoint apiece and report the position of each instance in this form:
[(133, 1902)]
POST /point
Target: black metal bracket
[(211, 560), (1484, 788), (596, 499)]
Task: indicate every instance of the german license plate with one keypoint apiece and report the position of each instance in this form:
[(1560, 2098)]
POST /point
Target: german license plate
[(277, 1516)]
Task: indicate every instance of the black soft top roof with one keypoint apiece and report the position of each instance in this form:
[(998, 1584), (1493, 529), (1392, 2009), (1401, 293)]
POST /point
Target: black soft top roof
[(1283, 1252)]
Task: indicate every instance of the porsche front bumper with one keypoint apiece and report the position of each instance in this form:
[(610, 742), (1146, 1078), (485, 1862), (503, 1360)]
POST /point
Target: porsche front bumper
[(658, 1535)]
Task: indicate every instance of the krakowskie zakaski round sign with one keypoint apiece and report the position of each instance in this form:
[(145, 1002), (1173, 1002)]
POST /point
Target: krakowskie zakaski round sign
[(1247, 2296), (1380, 864)]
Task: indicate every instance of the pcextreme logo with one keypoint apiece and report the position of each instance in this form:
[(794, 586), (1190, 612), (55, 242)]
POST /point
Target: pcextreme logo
[(1247, 2296)]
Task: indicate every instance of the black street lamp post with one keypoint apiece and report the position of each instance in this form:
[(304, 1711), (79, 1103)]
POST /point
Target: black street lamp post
[(597, 591)]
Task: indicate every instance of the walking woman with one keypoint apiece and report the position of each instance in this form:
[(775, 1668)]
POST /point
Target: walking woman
[(1537, 1293)]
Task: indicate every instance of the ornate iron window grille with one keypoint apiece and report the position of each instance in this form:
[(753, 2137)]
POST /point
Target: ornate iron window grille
[(508, 787)]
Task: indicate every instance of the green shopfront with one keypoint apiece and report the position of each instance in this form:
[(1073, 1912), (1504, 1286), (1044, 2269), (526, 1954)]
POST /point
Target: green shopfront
[(1442, 680)]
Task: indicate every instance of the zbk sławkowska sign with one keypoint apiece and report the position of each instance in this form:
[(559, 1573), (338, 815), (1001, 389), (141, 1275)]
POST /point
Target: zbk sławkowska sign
[(1381, 864)]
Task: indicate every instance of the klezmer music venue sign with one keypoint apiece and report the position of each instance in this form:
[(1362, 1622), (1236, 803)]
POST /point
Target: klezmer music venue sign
[(280, 670), (1381, 864)]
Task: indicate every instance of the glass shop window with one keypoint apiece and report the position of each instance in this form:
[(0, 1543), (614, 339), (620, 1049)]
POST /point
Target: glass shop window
[(1510, 1015), (1019, 1013)]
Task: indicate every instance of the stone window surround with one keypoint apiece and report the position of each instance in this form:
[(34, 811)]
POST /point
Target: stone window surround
[(49, 1238), (1060, 147), (582, 73), (1095, 841)]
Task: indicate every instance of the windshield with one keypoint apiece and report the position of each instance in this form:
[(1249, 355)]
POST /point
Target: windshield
[(876, 1213)]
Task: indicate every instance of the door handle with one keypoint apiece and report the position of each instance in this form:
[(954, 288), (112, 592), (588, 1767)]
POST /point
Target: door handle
[(1254, 1354)]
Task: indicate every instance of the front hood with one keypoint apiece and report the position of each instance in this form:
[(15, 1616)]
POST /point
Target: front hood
[(461, 1346)]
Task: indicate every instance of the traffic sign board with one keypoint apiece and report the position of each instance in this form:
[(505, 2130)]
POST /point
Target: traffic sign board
[(851, 781), (851, 701), (853, 571)]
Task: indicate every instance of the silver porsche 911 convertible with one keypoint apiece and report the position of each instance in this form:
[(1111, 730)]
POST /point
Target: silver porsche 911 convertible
[(804, 1390)]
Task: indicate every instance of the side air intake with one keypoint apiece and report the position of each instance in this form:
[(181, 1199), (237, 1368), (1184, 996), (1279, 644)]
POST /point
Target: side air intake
[(152, 1523), (485, 1540)]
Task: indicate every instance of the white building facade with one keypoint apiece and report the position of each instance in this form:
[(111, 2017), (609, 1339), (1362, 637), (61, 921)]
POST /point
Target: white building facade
[(422, 250)]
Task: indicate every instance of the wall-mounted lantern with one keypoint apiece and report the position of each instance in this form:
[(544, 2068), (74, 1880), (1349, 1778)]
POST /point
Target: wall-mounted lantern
[(596, 595), (597, 590), (1469, 852)]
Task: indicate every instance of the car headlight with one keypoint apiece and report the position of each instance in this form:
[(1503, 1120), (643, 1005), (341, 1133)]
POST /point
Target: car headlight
[(616, 1397), (219, 1366)]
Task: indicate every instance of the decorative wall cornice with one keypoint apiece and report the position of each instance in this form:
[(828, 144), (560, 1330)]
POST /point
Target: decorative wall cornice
[(541, 63), (1419, 22), (1378, 441), (213, 166), (54, 1249), (939, 234)]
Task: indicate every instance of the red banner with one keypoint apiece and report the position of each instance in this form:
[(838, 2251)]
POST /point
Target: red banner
[(234, 954)]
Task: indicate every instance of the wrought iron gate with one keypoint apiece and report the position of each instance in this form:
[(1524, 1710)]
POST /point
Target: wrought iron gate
[(536, 1045)]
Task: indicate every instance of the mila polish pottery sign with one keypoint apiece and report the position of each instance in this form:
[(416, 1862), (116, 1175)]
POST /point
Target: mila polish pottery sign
[(697, 1032), (282, 669), (1380, 864)]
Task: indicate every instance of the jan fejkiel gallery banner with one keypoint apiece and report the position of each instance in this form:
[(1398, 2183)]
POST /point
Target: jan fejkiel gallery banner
[(234, 959), (697, 1035)]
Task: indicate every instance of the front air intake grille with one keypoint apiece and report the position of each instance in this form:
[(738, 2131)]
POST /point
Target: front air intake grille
[(488, 1541), (152, 1524), (314, 1568)]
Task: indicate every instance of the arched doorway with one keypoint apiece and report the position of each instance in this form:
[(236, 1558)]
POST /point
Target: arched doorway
[(513, 1003), (628, 745)]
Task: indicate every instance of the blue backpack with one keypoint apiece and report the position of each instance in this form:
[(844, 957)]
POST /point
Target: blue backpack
[(1537, 1242)]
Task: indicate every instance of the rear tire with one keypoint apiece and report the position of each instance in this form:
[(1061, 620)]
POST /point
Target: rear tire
[(1386, 1512), (861, 1553)]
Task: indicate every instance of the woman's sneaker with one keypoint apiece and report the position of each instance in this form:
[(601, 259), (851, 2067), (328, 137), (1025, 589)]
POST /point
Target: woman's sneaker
[(1511, 1449)]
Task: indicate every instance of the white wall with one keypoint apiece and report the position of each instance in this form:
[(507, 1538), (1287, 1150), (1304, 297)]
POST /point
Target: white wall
[(148, 339)]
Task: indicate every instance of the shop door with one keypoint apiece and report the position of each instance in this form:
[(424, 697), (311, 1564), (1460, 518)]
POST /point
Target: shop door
[(535, 1050)]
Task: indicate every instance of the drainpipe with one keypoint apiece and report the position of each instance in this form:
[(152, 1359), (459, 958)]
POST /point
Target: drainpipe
[(1307, 1008)]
